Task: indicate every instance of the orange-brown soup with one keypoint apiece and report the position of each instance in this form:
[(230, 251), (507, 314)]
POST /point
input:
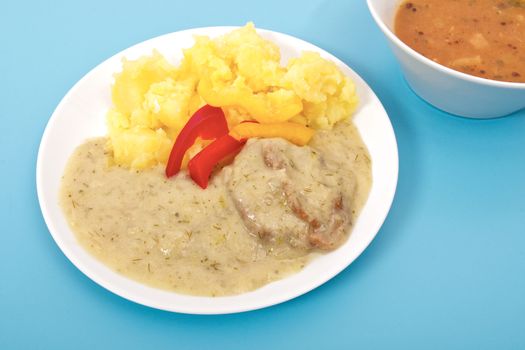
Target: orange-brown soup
[(485, 38)]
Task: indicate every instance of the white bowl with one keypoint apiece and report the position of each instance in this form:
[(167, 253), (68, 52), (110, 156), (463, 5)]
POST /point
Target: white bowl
[(452, 91), (81, 115)]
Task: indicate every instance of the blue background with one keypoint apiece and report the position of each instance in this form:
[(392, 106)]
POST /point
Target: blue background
[(447, 269)]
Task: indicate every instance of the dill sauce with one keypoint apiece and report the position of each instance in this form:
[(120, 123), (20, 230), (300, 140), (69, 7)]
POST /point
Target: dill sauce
[(173, 235)]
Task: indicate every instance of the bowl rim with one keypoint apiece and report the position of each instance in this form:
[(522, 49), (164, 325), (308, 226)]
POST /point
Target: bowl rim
[(444, 69)]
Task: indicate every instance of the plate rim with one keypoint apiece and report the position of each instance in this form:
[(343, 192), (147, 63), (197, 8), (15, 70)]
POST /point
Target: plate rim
[(215, 310)]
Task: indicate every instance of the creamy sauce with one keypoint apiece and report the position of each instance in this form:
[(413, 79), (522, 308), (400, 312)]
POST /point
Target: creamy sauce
[(173, 235), (485, 38)]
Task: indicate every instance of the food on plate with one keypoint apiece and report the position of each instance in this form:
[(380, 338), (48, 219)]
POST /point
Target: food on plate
[(485, 38), (203, 191)]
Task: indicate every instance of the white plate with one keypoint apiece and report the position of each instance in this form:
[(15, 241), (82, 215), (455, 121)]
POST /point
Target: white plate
[(81, 115)]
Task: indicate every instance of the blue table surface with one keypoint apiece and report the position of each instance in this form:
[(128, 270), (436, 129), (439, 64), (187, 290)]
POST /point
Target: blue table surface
[(446, 271)]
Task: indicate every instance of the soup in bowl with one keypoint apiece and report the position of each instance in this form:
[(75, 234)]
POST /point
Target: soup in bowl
[(469, 85)]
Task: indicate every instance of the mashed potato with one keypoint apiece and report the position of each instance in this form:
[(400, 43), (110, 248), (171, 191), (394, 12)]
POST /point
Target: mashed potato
[(240, 72)]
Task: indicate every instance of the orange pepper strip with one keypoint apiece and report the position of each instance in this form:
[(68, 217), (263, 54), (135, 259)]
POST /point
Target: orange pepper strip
[(293, 132)]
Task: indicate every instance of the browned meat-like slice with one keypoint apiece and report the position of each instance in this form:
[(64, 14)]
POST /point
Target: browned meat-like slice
[(273, 159), (323, 235), (289, 194)]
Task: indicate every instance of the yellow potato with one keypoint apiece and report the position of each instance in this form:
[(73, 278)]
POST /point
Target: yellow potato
[(136, 78), (240, 72), (139, 147), (328, 95), (168, 101)]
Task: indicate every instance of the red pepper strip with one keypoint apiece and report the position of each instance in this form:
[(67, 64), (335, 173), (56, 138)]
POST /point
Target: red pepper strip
[(202, 164), (207, 123)]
